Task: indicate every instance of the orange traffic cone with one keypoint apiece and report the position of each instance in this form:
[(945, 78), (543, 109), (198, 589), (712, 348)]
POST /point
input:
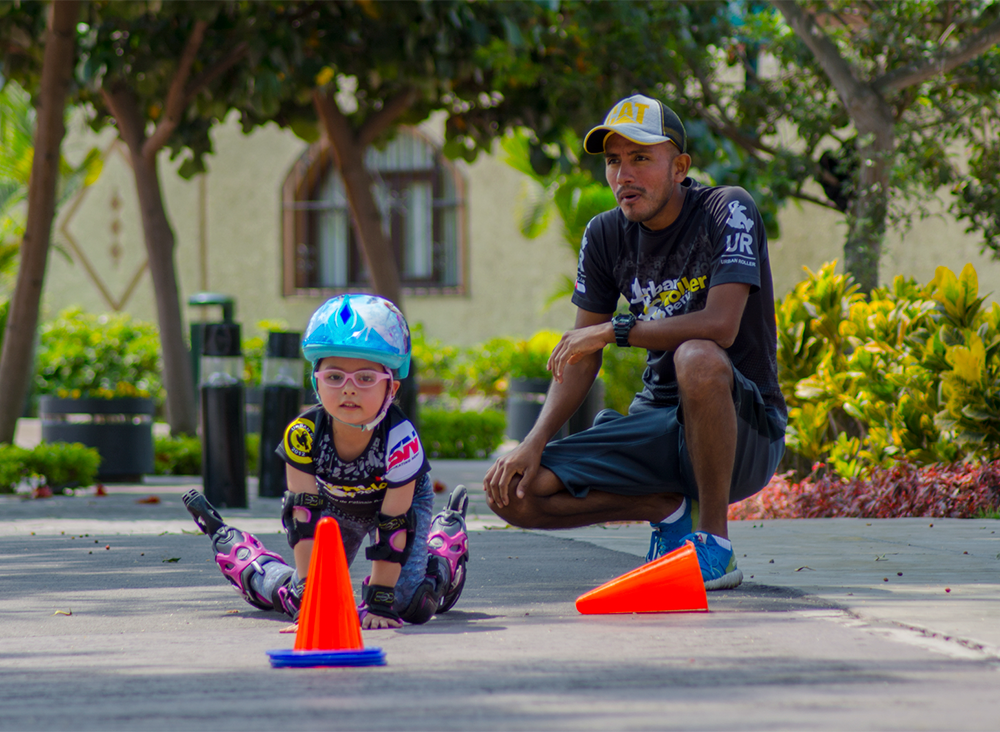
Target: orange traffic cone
[(329, 632), (670, 584)]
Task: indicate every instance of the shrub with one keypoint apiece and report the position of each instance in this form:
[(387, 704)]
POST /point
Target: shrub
[(64, 464), (621, 372), (12, 467), (59, 464), (182, 455), (461, 435), (959, 490), (105, 356), (179, 455), (907, 374)]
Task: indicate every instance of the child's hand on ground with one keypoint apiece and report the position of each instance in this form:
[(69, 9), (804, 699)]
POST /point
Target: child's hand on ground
[(293, 628), (372, 621)]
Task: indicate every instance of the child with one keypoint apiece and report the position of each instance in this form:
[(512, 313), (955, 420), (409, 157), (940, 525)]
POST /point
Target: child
[(357, 458)]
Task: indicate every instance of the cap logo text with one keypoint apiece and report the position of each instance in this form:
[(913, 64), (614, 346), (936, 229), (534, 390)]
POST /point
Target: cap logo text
[(627, 112)]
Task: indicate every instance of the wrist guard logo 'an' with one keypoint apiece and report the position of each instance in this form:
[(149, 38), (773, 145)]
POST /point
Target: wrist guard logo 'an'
[(299, 440)]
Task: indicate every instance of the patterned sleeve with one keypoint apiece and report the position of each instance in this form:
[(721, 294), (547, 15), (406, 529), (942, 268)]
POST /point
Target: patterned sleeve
[(738, 237), (296, 446), (405, 458)]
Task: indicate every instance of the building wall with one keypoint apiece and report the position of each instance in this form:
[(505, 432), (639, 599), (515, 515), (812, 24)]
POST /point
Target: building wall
[(228, 238)]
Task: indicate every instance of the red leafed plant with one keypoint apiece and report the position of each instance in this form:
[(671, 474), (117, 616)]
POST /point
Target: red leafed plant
[(958, 490)]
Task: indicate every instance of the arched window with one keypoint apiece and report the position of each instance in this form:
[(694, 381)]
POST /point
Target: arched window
[(420, 196)]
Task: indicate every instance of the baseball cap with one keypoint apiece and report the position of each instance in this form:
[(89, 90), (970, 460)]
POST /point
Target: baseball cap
[(640, 119)]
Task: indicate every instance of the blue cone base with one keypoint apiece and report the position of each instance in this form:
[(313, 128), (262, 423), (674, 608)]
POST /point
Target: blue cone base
[(311, 659)]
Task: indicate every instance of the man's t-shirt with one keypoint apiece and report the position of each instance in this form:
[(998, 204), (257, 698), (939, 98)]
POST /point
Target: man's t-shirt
[(717, 238), (393, 458)]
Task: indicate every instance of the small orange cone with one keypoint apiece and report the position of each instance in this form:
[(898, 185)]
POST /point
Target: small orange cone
[(670, 584), (329, 632)]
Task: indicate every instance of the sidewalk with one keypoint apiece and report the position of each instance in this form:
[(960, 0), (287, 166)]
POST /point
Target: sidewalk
[(115, 617)]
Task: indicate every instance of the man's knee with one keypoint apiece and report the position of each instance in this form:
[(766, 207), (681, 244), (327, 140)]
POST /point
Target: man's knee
[(528, 512), (702, 366)]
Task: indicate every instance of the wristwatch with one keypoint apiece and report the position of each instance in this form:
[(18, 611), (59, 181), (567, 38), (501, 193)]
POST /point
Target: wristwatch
[(622, 323)]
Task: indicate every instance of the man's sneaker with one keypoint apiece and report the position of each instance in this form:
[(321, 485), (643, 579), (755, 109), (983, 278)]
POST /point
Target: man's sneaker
[(718, 565), (668, 537)]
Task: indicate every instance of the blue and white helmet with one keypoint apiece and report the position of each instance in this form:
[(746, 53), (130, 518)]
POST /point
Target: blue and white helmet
[(359, 326)]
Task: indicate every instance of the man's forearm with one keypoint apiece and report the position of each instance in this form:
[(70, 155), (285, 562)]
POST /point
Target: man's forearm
[(565, 397)]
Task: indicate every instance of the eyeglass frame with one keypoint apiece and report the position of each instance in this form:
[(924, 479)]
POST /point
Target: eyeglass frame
[(349, 376)]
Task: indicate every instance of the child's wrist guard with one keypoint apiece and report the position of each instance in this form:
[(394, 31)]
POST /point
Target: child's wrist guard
[(379, 601)]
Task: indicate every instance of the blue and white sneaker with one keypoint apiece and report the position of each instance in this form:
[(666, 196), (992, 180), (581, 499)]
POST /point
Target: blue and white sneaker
[(668, 537), (718, 564)]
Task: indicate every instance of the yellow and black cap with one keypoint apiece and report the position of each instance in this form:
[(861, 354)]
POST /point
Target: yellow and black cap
[(640, 119)]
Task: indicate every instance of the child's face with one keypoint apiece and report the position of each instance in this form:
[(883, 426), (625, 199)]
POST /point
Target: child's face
[(343, 398)]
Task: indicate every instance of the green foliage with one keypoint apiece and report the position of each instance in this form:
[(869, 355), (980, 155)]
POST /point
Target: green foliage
[(484, 369), (907, 374), (64, 464), (106, 356), (621, 372), (455, 435), (253, 452), (12, 466), (58, 464), (180, 455), (254, 349)]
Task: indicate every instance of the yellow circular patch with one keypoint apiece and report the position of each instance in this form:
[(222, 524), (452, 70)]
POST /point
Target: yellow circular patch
[(299, 440)]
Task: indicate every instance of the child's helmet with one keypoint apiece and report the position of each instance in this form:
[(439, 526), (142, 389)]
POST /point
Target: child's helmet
[(359, 326)]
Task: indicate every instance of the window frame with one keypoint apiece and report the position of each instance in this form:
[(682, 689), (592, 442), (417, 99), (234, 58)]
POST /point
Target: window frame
[(297, 203)]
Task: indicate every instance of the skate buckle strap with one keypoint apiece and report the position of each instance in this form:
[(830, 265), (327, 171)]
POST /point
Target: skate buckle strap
[(247, 553)]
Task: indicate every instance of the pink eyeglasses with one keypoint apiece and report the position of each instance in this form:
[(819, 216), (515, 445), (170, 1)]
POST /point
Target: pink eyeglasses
[(363, 379)]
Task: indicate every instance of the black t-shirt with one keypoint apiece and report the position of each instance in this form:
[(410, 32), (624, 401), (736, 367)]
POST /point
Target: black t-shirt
[(393, 458), (717, 238)]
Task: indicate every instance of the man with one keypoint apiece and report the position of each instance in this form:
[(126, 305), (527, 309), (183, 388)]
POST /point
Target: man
[(708, 427)]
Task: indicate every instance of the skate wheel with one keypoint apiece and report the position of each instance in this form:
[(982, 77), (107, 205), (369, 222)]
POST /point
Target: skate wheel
[(455, 591)]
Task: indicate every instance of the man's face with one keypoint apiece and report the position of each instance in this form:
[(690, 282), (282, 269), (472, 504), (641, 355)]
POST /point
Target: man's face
[(644, 179)]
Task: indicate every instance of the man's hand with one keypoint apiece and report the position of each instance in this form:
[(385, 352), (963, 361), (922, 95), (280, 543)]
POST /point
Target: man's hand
[(578, 343), (520, 463)]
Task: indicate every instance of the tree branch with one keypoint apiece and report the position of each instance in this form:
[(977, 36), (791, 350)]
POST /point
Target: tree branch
[(176, 97), (906, 76), (125, 110), (209, 75), (823, 49), (813, 199), (385, 117)]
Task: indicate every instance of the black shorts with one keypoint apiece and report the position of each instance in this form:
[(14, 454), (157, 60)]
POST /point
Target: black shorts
[(645, 452)]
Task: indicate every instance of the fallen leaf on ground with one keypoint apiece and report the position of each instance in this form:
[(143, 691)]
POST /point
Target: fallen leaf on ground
[(172, 560), (149, 499), (63, 612), (439, 487), (232, 612), (805, 567)]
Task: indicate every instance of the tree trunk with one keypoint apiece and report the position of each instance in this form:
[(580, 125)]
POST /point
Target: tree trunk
[(870, 205), (18, 344), (349, 158), (177, 377)]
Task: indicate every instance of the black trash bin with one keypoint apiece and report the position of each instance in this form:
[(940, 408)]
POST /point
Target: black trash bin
[(223, 426), (281, 381)]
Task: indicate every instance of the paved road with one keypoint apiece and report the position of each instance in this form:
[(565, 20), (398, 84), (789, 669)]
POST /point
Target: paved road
[(816, 640)]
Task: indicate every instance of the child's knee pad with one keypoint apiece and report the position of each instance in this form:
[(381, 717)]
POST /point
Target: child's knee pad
[(295, 528), (424, 602), (389, 527)]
